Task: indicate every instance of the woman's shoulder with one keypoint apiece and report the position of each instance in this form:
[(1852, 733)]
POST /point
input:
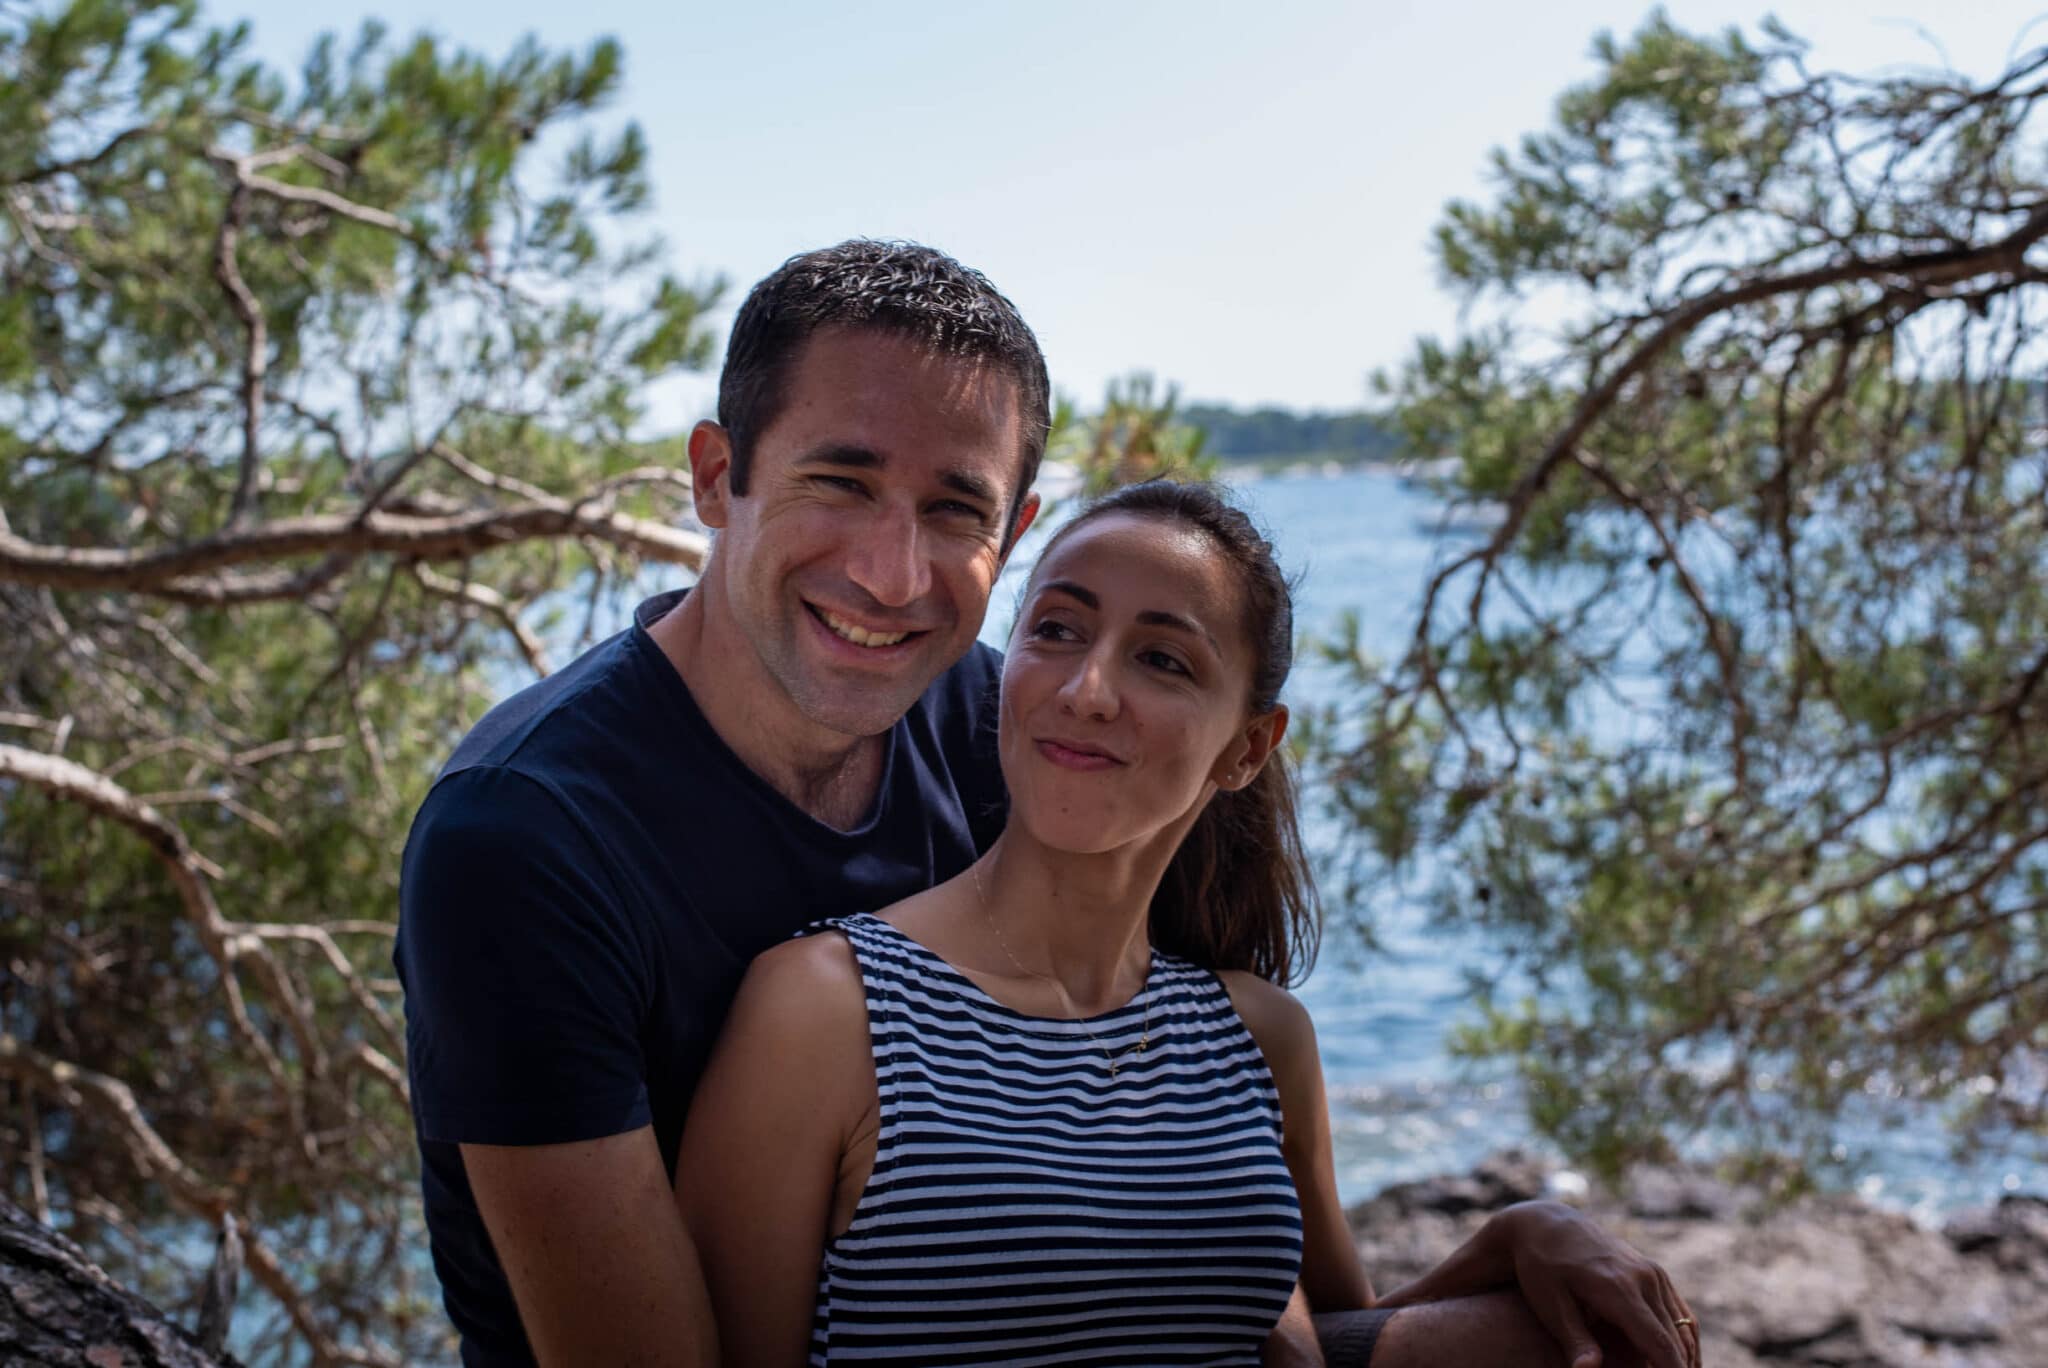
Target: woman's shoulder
[(1278, 1023), (806, 982)]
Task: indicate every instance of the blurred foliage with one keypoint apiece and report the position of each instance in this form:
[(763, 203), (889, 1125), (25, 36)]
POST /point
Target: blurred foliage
[(316, 390), (1138, 434), (1735, 731)]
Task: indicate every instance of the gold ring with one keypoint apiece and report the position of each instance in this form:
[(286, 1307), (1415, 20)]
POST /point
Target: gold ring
[(1685, 1320)]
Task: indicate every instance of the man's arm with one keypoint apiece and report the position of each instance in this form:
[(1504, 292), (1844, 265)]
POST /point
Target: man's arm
[(527, 981), (1573, 1277), (597, 1256)]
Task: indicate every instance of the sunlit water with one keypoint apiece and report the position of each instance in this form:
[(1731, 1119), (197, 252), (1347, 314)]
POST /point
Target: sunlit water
[(1402, 1107)]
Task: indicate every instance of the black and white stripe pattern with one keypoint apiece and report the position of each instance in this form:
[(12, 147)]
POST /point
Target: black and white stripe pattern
[(1027, 1207)]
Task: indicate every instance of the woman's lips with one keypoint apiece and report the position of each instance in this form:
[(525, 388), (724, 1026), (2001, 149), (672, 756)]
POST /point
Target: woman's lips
[(1073, 756)]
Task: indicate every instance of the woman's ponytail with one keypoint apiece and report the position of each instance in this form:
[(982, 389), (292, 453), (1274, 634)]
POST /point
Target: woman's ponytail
[(1239, 893)]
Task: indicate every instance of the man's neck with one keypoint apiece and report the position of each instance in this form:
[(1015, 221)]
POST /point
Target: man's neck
[(831, 776)]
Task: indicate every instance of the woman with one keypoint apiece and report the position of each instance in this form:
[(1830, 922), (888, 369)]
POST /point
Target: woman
[(1058, 1109)]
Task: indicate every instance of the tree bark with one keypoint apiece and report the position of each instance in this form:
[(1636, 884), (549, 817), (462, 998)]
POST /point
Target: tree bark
[(58, 1309)]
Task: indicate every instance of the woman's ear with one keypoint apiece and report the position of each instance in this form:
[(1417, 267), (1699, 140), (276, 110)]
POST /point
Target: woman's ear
[(1248, 751)]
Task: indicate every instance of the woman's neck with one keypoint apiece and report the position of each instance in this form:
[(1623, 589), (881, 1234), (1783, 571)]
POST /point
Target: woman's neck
[(1079, 919)]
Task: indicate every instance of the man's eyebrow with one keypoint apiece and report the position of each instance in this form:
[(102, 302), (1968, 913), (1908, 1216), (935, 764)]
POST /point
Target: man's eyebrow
[(854, 457), (850, 457), (972, 485)]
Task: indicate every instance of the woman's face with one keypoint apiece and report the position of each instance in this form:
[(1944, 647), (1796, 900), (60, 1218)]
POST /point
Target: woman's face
[(1126, 687)]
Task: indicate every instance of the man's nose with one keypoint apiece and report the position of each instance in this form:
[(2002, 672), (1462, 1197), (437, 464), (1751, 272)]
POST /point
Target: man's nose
[(889, 559)]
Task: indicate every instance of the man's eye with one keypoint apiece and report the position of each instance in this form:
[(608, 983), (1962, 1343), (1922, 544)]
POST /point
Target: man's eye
[(956, 507), (844, 483)]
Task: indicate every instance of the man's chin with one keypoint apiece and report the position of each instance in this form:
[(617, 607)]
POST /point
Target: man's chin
[(860, 703), (861, 697), (870, 715)]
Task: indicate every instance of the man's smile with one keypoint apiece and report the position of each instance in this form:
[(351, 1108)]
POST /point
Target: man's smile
[(848, 630)]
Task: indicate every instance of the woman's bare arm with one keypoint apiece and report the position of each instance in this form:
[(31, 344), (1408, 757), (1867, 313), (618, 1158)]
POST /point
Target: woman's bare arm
[(789, 1081), (1331, 1274)]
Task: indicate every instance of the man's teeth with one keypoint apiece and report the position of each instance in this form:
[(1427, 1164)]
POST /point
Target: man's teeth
[(859, 635)]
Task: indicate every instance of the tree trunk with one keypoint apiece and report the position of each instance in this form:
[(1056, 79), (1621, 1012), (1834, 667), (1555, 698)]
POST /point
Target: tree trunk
[(58, 1309)]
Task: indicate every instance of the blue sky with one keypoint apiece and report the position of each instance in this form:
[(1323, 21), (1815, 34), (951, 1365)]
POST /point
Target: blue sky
[(1236, 196)]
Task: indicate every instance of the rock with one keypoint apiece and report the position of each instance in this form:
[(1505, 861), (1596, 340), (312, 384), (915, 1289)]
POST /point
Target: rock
[(1828, 1280), (1501, 1180), (1666, 1193)]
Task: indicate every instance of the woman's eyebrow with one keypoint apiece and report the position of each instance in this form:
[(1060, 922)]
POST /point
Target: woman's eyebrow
[(1150, 617), (1156, 617)]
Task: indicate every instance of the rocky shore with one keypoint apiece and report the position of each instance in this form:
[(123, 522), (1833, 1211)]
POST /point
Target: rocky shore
[(1824, 1281)]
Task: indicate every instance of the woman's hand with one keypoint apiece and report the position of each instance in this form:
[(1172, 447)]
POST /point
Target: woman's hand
[(1571, 1272)]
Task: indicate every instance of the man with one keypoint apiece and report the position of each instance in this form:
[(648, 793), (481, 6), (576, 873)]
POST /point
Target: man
[(807, 731), (804, 732)]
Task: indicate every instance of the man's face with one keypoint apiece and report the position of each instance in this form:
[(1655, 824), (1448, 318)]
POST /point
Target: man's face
[(859, 563)]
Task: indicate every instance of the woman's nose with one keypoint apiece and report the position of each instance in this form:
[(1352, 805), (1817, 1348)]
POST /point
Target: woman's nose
[(1090, 690)]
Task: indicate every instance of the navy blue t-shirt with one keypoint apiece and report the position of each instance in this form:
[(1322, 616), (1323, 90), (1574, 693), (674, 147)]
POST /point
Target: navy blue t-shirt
[(583, 889)]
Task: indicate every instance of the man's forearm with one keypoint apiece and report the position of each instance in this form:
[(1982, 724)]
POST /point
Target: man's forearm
[(600, 1264), (1483, 1263), (654, 1312), (1482, 1330)]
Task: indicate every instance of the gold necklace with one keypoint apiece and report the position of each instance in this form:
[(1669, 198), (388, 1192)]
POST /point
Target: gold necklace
[(1073, 1013)]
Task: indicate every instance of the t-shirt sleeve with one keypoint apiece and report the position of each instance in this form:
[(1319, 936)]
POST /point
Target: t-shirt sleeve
[(525, 983)]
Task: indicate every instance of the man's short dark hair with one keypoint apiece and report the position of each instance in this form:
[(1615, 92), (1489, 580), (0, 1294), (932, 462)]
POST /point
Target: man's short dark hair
[(899, 288)]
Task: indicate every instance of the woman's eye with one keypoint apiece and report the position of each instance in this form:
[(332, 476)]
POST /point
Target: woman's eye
[(1160, 660), (1051, 630)]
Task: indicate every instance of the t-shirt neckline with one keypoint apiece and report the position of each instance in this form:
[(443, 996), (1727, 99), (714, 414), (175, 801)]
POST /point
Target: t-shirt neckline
[(656, 606)]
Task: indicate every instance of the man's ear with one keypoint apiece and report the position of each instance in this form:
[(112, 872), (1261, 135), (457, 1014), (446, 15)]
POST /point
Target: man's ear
[(711, 472), (1249, 750), (1025, 514)]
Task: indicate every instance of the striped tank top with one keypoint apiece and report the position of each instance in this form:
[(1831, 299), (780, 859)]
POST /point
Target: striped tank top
[(1029, 1207)]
